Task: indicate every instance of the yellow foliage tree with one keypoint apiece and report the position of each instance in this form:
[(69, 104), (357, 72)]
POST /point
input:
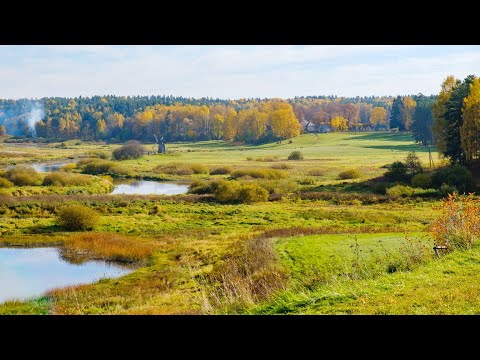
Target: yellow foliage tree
[(470, 130), (229, 130), (378, 115), (217, 126), (408, 109), (339, 123)]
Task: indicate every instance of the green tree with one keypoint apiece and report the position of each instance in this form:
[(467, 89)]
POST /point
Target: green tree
[(454, 120), (423, 120), (439, 108)]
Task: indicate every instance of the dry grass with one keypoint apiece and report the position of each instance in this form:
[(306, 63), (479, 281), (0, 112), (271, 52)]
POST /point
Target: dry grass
[(111, 247), (248, 275)]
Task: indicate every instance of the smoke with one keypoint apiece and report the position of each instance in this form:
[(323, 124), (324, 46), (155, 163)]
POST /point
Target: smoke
[(37, 112), (20, 116)]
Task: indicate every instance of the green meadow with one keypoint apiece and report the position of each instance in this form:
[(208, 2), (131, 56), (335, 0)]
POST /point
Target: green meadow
[(320, 244)]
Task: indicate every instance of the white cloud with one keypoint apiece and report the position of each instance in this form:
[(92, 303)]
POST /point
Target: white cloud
[(231, 71)]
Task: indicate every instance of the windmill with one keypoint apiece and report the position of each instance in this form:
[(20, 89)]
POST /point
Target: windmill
[(161, 144)]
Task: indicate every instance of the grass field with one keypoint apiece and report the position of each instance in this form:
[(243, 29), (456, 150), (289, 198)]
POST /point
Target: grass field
[(349, 252)]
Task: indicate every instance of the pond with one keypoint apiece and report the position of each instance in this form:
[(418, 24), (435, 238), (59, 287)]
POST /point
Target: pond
[(27, 272), (125, 186), (146, 187)]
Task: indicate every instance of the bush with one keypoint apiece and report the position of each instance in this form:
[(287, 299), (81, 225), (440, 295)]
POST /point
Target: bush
[(422, 180), (445, 189), (131, 150), (174, 169), (68, 167), (380, 187), (199, 169), (281, 166), (5, 183), (227, 191), (259, 174), (397, 171), (222, 170), (316, 172), (295, 155), (458, 225), (64, 179), (349, 174), (99, 154), (202, 187), (457, 175), (307, 181), (78, 217), (251, 193), (96, 166), (23, 176), (400, 191), (413, 164)]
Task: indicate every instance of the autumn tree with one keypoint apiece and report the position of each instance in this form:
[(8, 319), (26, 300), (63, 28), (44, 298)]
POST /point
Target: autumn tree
[(339, 123), (229, 128), (454, 120), (470, 129), (283, 122), (378, 116), (407, 109), (3, 131)]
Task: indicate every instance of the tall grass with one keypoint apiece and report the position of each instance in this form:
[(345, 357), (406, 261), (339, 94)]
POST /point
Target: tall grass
[(250, 274), (111, 247)]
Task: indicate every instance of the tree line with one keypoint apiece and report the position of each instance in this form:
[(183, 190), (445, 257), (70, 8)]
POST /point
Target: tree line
[(254, 120)]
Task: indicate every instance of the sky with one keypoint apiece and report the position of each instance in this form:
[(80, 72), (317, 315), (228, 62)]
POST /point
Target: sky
[(233, 72)]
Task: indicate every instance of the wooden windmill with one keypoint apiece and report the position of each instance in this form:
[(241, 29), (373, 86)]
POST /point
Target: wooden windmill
[(161, 144)]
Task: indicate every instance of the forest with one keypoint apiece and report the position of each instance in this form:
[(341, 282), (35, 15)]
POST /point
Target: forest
[(255, 121)]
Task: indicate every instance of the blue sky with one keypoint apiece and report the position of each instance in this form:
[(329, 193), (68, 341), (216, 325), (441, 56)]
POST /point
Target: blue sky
[(231, 71)]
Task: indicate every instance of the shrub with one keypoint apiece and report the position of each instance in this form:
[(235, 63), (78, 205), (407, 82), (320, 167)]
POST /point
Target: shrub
[(281, 166), (422, 180), (259, 174), (96, 166), (222, 170), (174, 169), (316, 172), (306, 181), (400, 191), (380, 187), (77, 217), (458, 225), (99, 154), (68, 167), (457, 175), (349, 174), (397, 171), (445, 189), (251, 193), (202, 187), (295, 155), (199, 169), (23, 176), (64, 179), (413, 164), (5, 183), (227, 191), (131, 150)]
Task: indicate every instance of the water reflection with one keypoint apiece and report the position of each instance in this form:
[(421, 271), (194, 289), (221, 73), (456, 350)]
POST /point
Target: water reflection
[(26, 273), (146, 187)]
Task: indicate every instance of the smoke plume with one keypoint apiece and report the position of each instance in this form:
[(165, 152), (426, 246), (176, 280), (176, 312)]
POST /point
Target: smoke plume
[(37, 112)]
